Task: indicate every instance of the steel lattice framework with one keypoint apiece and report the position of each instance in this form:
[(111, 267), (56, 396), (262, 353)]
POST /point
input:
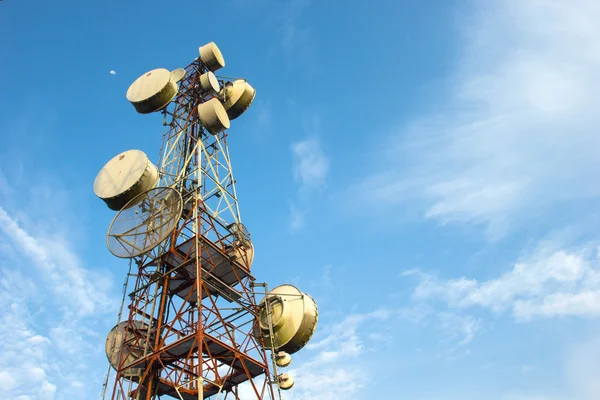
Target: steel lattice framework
[(192, 307)]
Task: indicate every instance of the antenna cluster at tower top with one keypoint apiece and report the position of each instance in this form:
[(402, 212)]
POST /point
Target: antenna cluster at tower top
[(127, 179)]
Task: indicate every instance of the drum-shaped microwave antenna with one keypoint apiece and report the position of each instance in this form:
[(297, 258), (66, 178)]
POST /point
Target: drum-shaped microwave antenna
[(283, 359), (124, 177), (211, 56), (293, 318), (137, 229), (213, 116), (178, 74), (237, 97), (285, 381), (152, 91), (127, 347), (209, 84)]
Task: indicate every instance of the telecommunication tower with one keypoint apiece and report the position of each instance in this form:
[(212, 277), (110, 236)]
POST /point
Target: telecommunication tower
[(194, 323)]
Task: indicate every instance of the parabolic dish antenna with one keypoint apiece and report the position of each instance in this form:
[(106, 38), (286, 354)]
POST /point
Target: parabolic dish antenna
[(213, 116), (239, 231), (211, 56), (178, 74), (283, 359), (242, 248), (209, 83), (237, 97), (243, 252), (285, 381), (138, 229), (152, 91), (293, 318), (124, 177), (127, 348)]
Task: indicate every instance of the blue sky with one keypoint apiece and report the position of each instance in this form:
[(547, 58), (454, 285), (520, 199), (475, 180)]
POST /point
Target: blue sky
[(426, 172)]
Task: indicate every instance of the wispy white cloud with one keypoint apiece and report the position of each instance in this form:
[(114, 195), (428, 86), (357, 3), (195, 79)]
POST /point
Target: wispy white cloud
[(514, 396), (550, 282), (294, 34), (52, 304), (333, 365), (338, 362), (453, 331), (519, 129), (297, 219), (60, 266), (581, 366), (264, 114), (458, 328), (310, 167), (24, 360)]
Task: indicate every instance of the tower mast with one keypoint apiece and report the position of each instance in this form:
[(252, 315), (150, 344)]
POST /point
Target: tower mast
[(194, 326)]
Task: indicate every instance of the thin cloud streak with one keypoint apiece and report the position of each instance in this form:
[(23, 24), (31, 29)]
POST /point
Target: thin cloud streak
[(55, 315), (24, 362), (334, 365), (59, 265), (518, 132), (310, 168), (551, 282)]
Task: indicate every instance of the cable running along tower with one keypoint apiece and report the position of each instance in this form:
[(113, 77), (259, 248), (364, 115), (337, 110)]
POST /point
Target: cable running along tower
[(194, 323)]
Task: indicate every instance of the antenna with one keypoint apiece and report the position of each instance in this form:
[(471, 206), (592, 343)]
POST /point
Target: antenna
[(293, 315), (144, 222), (213, 116), (237, 97), (211, 56), (124, 346), (178, 74), (124, 177), (152, 91), (209, 83)]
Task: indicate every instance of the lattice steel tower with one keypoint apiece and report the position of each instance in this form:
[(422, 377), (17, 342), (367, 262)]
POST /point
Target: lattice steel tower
[(191, 325)]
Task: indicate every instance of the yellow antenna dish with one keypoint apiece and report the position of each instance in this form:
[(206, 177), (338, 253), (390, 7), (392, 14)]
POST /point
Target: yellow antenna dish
[(126, 348), (152, 91), (178, 74), (124, 177), (285, 381), (211, 56), (213, 116), (293, 317), (237, 97), (283, 359), (209, 83)]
